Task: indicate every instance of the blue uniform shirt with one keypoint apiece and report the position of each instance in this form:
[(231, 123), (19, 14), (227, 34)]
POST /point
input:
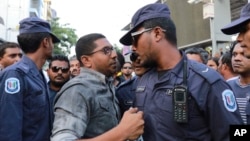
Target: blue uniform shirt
[(125, 94), (25, 113), (211, 104)]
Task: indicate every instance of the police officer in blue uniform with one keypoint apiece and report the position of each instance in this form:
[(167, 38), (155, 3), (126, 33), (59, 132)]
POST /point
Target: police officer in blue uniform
[(181, 99), (125, 92), (25, 113), (241, 26)]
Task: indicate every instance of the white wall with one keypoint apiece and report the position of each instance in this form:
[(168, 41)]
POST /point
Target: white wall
[(12, 11)]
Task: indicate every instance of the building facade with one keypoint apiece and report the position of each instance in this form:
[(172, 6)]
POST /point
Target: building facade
[(12, 11), (199, 22)]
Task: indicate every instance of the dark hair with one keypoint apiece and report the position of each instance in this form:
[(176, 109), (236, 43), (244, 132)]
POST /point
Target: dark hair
[(199, 51), (166, 24), (127, 63), (60, 58), (226, 59), (72, 58), (233, 44), (85, 45), (121, 61), (6, 45), (215, 59), (30, 42)]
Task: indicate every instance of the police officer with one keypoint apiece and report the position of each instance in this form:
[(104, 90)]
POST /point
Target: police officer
[(25, 113), (125, 92), (181, 99), (241, 26)]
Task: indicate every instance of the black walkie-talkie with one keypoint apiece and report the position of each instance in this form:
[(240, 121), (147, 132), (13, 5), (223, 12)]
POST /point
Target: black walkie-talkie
[(180, 103)]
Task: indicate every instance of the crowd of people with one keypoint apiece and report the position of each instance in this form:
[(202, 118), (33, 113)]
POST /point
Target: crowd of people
[(161, 94)]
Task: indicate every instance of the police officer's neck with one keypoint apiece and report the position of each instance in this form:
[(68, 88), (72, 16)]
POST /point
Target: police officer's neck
[(38, 59), (168, 58)]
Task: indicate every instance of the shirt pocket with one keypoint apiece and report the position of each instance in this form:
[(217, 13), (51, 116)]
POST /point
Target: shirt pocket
[(163, 99), (104, 105)]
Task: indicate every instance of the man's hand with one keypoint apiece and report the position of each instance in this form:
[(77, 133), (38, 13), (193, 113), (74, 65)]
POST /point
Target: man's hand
[(132, 123)]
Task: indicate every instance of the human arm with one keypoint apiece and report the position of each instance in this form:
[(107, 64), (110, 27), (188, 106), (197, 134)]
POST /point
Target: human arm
[(130, 127), (222, 110), (11, 108), (73, 110)]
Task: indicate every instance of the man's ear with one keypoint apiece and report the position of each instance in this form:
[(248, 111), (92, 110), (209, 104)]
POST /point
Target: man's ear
[(159, 33), (45, 42), (224, 67), (86, 61), (47, 70)]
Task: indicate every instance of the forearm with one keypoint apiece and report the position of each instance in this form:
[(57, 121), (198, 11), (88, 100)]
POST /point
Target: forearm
[(115, 134)]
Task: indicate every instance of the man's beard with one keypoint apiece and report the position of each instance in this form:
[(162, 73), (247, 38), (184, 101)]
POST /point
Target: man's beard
[(58, 84), (149, 63)]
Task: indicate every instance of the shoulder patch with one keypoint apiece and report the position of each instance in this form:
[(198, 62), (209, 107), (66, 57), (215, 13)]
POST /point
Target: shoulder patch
[(229, 100), (12, 85)]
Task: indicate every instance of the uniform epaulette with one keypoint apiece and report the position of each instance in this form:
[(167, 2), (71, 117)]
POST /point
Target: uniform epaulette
[(204, 71), (126, 82), (23, 68)]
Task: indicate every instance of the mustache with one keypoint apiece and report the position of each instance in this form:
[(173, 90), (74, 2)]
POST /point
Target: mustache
[(59, 76)]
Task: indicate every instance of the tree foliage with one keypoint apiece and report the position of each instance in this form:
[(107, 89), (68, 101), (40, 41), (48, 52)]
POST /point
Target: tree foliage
[(117, 48), (67, 36)]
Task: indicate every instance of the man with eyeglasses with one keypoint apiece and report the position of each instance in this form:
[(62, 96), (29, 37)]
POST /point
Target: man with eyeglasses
[(25, 113), (86, 107), (181, 99), (58, 73), (10, 53)]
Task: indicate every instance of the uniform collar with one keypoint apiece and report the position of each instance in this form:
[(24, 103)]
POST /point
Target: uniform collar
[(179, 68)]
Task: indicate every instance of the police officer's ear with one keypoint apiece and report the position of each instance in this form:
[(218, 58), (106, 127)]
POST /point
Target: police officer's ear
[(159, 33), (47, 41), (86, 61)]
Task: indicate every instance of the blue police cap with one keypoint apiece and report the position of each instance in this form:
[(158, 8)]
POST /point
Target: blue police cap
[(36, 25), (150, 11), (235, 26)]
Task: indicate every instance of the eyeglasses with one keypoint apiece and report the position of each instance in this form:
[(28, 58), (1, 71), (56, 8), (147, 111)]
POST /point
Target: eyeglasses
[(133, 56), (135, 34), (127, 67), (56, 69), (105, 50)]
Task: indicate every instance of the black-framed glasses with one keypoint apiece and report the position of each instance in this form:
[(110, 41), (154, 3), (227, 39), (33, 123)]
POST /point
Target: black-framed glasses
[(105, 50), (133, 56), (56, 69)]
